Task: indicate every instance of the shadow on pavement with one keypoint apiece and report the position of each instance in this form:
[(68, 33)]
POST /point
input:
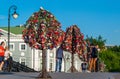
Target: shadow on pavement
[(25, 75), (6, 73)]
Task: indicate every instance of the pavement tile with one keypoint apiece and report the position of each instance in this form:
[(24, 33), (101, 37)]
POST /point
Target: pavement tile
[(60, 75)]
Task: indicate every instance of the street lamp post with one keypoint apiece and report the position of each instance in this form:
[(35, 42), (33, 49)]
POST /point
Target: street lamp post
[(15, 15)]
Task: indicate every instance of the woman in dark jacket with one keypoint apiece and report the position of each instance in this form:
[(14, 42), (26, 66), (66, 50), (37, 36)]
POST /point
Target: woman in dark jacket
[(94, 56)]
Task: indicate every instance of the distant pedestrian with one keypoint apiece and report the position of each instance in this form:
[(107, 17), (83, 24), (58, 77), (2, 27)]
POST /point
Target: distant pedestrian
[(59, 56), (84, 66), (2, 52)]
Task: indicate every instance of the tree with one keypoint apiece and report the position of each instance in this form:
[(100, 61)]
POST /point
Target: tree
[(97, 41), (115, 48), (111, 60), (43, 32), (74, 43)]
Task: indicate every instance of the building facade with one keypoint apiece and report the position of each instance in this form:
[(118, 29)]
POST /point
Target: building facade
[(22, 53)]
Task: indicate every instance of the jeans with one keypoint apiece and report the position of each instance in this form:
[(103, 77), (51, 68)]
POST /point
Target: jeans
[(6, 63), (1, 58), (58, 64)]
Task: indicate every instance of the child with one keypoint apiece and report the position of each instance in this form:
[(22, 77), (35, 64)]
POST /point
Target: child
[(7, 59), (84, 66)]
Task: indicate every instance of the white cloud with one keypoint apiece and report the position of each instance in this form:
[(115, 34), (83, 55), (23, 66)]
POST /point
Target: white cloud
[(2, 17)]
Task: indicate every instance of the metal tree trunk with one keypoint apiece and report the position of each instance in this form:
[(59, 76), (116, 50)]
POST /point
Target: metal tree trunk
[(73, 69), (44, 74)]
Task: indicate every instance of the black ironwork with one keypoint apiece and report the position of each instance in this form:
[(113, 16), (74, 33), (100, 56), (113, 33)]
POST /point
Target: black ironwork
[(14, 8), (18, 67)]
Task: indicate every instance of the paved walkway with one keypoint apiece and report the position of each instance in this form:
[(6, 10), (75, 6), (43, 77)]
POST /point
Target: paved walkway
[(62, 75)]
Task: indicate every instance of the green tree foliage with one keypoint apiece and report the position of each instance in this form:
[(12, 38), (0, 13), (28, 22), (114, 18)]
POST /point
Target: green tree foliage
[(115, 48), (111, 60), (97, 41), (111, 56)]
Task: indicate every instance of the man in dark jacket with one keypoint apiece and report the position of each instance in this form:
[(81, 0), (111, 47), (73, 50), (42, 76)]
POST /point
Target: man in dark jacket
[(59, 56)]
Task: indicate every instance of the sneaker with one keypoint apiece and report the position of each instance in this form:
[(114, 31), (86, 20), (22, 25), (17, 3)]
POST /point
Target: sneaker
[(88, 71)]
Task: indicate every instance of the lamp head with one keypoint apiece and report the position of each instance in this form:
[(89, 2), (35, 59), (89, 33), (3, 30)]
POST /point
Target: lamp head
[(15, 15)]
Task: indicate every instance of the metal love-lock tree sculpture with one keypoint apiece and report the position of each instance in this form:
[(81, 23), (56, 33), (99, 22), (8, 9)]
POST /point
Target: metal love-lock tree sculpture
[(73, 43), (43, 32)]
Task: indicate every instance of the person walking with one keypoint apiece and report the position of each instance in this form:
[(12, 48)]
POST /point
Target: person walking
[(2, 52), (59, 56)]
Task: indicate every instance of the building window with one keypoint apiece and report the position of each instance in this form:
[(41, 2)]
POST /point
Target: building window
[(12, 46), (50, 69), (22, 47), (22, 54), (51, 65), (51, 54), (22, 60)]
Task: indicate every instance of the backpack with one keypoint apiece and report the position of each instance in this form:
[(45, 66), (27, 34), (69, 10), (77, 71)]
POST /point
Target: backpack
[(94, 52)]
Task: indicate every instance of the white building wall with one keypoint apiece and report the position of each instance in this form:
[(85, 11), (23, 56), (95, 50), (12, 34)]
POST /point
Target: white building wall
[(36, 59), (51, 59), (54, 61), (32, 59)]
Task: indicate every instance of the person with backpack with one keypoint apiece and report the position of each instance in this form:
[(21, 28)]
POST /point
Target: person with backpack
[(94, 56)]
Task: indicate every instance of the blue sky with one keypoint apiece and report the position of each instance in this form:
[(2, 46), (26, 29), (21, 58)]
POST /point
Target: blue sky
[(94, 17)]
